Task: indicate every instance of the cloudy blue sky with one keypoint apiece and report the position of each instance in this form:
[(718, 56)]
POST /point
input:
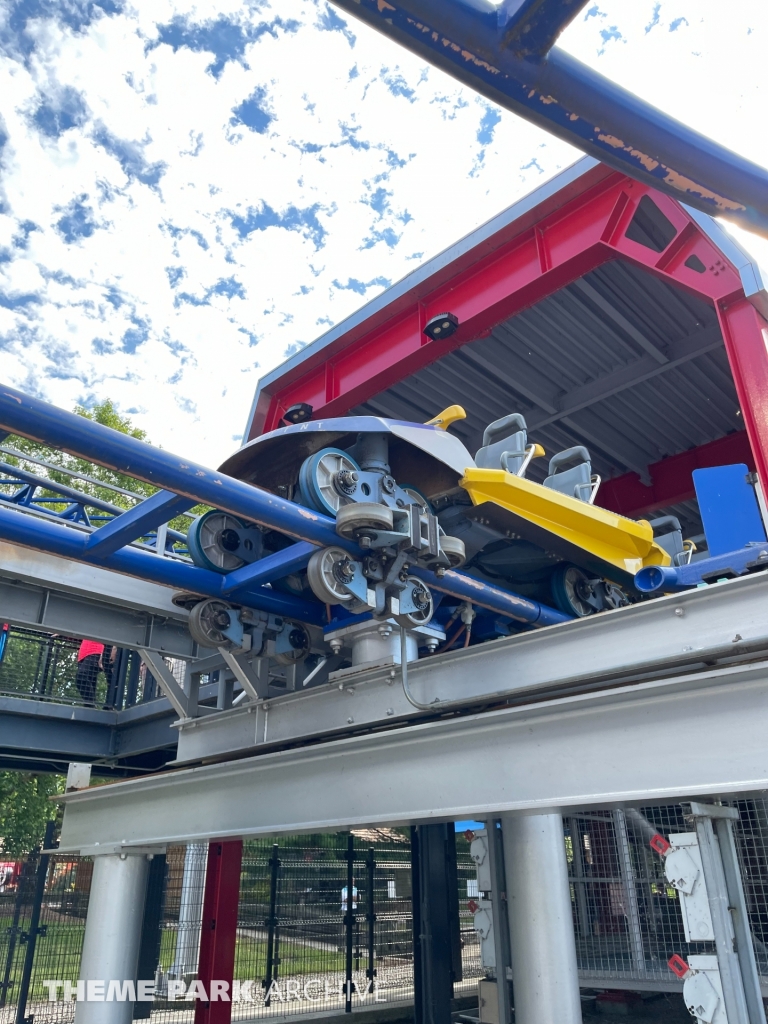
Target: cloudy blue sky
[(191, 191)]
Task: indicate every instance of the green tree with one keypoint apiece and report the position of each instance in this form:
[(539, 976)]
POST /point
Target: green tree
[(25, 807), (58, 462)]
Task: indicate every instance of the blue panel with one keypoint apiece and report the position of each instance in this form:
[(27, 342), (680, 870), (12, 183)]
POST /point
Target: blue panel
[(728, 508), (473, 826)]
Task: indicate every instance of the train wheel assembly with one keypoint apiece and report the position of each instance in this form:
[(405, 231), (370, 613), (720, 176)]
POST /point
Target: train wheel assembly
[(326, 572), (425, 604), (573, 591), (214, 540), (362, 517), (325, 478), (207, 620)]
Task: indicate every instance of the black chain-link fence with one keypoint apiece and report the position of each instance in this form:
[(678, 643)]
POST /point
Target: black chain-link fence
[(55, 925)]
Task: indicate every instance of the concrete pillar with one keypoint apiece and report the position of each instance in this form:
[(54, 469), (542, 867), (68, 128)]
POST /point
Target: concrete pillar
[(546, 981), (190, 912), (112, 936)]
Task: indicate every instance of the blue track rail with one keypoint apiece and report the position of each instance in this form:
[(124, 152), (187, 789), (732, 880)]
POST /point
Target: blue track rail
[(183, 484), (506, 53)]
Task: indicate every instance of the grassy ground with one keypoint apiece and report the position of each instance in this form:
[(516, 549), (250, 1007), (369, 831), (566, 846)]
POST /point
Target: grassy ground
[(58, 956)]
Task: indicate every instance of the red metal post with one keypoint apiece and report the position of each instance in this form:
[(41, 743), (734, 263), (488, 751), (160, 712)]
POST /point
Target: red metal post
[(219, 931), (745, 334)]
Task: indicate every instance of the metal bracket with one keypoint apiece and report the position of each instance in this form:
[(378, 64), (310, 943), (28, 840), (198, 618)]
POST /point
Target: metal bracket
[(243, 672), (182, 702), (733, 939)]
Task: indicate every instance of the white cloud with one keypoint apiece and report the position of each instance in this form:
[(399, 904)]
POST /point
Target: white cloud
[(195, 217)]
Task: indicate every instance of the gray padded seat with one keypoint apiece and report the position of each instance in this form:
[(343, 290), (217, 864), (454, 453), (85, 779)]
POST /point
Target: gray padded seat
[(570, 472), (668, 534), (504, 444)]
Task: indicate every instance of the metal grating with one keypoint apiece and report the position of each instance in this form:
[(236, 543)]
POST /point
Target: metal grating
[(619, 361)]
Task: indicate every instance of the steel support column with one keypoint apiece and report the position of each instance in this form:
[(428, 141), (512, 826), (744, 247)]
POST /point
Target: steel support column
[(219, 931), (112, 936), (546, 980), (436, 940), (745, 334), (190, 911), (500, 908), (151, 931)]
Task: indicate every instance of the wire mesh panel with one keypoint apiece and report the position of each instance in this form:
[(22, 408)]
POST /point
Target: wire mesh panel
[(18, 884), (40, 666), (292, 932), (466, 871), (626, 915), (59, 939), (751, 834), (44, 666)]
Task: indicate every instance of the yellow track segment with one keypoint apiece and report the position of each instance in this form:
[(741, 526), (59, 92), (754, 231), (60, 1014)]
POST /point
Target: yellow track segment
[(626, 544)]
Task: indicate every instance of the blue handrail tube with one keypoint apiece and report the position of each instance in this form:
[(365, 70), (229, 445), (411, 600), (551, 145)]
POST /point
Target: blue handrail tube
[(665, 578), (750, 558), (505, 603)]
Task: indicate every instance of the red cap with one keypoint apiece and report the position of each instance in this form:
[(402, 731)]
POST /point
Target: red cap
[(659, 844), (677, 965)]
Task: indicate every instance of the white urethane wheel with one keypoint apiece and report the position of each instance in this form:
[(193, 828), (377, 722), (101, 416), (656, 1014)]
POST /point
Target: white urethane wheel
[(207, 620), (363, 515), (213, 540), (454, 549), (326, 478), (426, 608), (325, 577)]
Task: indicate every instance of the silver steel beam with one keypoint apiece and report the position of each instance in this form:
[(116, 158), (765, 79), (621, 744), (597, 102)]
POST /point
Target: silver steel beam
[(661, 636), (51, 734), (605, 749), (51, 593)]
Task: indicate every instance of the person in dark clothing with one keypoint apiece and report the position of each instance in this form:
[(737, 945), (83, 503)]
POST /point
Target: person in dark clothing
[(89, 661)]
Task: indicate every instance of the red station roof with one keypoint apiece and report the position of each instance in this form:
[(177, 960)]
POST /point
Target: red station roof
[(607, 313)]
